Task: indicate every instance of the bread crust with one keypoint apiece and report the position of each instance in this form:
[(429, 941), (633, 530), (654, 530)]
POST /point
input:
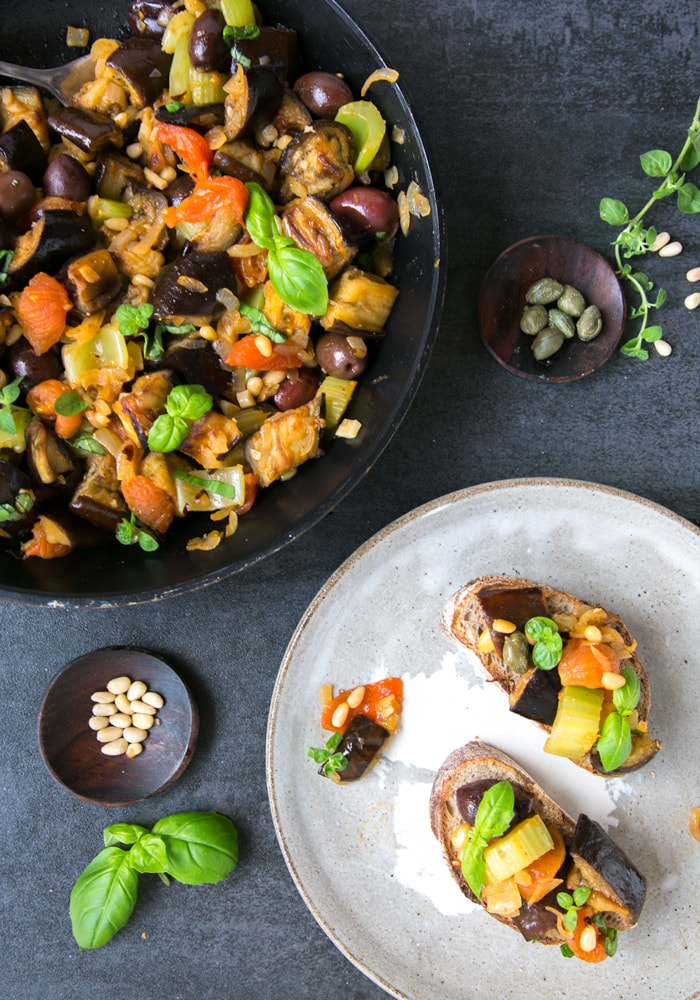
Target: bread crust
[(462, 621)]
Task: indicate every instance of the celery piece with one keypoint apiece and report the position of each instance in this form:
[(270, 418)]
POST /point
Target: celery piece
[(205, 87), (576, 724), (338, 393), (238, 13), (517, 849), (107, 349), (101, 209), (179, 25), (180, 67), (368, 129), (16, 440)]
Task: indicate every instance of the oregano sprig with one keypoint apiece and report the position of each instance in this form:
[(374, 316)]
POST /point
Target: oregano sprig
[(636, 239)]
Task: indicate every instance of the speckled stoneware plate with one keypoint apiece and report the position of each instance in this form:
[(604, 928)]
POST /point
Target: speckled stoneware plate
[(363, 856)]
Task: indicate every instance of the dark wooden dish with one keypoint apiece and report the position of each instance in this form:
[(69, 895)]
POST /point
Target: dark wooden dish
[(502, 299), (70, 748)]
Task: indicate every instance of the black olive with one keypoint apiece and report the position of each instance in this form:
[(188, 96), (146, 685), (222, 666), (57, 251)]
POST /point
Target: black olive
[(335, 355), (208, 50), (297, 388), (323, 93), (66, 177), (17, 195)]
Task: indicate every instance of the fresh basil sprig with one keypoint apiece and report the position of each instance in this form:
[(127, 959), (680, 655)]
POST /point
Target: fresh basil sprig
[(615, 741), (185, 403), (547, 648), (195, 848), (296, 274), (571, 904), (17, 511), (493, 817), (5, 261), (328, 756), (130, 533), (134, 321), (8, 395)]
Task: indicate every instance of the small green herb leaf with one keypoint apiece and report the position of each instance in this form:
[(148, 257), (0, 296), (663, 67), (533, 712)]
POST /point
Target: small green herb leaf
[(130, 533), (103, 898), (656, 163), (85, 443), (689, 199), (613, 212), (133, 320), (260, 324), (328, 757), (626, 699), (17, 511), (69, 404), (5, 261), (547, 649), (493, 817)]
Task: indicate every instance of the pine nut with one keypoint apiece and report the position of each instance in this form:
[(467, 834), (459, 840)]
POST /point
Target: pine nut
[(102, 697), (104, 710), (123, 704), (135, 690), (264, 345), (153, 699), (340, 715), (356, 697), (503, 626), (134, 735), (663, 348), (98, 722), (142, 721), (134, 749), (115, 749), (612, 681), (120, 720), (692, 301), (661, 240), (119, 685), (592, 634), (588, 939), (140, 707), (693, 274), (671, 249), (109, 734)]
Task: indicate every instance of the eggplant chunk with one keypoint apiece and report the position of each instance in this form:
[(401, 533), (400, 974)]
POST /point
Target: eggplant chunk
[(50, 461), (318, 161), (285, 441), (197, 116), (21, 150), (277, 45), (113, 172), (98, 498), (312, 226), (90, 131), (516, 606), (92, 281), (210, 439), (149, 18), (292, 116), (536, 695), (253, 97), (55, 237), (143, 404), (186, 289), (142, 67), (61, 533), (361, 742), (643, 749), (17, 500), (604, 866), (196, 363), (360, 303)]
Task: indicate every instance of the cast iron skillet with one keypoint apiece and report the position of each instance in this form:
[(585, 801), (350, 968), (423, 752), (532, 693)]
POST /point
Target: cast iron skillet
[(113, 575)]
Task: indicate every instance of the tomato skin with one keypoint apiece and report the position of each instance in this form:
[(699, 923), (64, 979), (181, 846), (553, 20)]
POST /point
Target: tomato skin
[(149, 502), (573, 939), (42, 309), (374, 694), (245, 354), (583, 663), (192, 148)]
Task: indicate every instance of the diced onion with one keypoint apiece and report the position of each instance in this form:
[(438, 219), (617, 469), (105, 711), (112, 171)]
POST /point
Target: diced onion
[(389, 75)]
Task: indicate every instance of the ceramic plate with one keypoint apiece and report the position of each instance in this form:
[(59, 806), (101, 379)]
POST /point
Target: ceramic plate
[(363, 856)]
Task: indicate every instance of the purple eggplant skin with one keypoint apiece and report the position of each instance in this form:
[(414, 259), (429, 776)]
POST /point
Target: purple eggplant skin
[(537, 921), (149, 18), (254, 100), (50, 461), (172, 300), (196, 362), (55, 237), (21, 150), (516, 606), (273, 45), (90, 131), (604, 864), (23, 362), (361, 742), (536, 696), (143, 67), (197, 116)]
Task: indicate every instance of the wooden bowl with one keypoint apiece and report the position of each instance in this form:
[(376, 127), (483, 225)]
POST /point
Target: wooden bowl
[(71, 750), (502, 300)]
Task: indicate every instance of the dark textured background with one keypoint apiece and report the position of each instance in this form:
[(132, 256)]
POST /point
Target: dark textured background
[(533, 112)]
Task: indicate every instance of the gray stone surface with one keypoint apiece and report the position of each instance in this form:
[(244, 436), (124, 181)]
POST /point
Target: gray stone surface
[(533, 112)]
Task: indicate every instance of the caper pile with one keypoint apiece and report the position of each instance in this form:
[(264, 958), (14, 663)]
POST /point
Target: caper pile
[(555, 313)]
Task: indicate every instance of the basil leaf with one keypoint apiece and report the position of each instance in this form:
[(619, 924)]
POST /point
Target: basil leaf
[(167, 433), (188, 401), (149, 854), (626, 699), (260, 324), (103, 898), (539, 629), (202, 847), (615, 741), (544, 632), (217, 486), (260, 217), (493, 817), (123, 833), (299, 280)]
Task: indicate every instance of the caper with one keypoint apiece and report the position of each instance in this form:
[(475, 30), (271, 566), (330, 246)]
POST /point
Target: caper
[(560, 321), (516, 652), (589, 324), (546, 343), (543, 292), (571, 301), (533, 319)]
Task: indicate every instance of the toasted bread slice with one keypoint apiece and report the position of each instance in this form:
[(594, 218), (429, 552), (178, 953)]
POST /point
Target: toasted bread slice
[(593, 859), (464, 620)]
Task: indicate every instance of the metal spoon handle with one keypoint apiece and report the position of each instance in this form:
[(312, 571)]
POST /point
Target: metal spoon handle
[(61, 81)]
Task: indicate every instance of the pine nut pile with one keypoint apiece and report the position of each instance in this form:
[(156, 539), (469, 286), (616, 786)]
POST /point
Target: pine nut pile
[(123, 714)]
